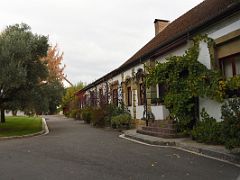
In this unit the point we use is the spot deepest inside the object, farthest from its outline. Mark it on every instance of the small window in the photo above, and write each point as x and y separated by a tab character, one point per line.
161	92
115	97
141	94
129	96
230	65
100	95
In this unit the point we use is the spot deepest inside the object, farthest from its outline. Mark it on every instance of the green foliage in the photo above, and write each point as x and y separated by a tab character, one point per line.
103	116
186	79
112	110
95	116
21	68
98	117
231	123
121	120
73	113
226	132
87	114
69	95
232	87
208	130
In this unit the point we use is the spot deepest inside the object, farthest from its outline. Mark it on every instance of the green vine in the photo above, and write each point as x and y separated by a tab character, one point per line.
187	79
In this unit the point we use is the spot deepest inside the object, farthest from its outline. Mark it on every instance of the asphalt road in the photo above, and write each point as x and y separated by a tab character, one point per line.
73	150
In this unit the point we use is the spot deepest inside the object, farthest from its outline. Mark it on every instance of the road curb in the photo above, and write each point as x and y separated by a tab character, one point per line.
44	131
228	158
159	143
219	155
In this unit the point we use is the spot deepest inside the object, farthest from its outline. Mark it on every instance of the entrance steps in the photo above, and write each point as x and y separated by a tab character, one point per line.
160	128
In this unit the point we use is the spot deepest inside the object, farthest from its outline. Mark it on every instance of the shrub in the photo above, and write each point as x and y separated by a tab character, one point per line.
78	114
119	121
111	111
208	130
73	113
87	115
231	123
98	117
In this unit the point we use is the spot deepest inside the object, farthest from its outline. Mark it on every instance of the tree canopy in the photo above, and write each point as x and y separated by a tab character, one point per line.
69	95
54	63
27	65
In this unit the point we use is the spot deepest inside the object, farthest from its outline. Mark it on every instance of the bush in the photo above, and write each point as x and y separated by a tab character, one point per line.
98	117
78	114
208	130
111	111
87	115
73	113
119	121
231	123
102	116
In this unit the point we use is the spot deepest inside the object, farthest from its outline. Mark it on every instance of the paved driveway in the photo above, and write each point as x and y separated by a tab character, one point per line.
73	150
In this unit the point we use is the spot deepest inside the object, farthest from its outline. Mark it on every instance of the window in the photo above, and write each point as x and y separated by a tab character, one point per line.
141	94
230	65
100	93
129	96
92	98
115	97
161	92
100	96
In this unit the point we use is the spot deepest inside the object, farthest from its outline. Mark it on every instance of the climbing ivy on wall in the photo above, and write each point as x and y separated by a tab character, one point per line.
186	79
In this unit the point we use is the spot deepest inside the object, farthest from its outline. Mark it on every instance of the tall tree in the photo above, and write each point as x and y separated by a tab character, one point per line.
21	68
54	63
53	88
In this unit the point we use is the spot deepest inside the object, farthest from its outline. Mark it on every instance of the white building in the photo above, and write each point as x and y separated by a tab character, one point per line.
219	19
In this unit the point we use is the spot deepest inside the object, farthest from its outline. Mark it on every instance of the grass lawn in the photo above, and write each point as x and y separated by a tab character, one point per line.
20	125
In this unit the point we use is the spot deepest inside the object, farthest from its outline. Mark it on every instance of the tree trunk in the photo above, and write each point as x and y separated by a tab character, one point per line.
14	112
2	116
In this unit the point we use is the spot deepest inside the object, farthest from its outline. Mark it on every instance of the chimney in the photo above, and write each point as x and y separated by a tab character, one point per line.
160	25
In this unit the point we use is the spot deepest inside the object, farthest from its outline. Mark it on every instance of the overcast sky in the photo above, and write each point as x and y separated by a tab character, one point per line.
96	36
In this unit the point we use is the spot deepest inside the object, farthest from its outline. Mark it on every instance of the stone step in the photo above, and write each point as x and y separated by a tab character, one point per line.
156	134
163	125
162	130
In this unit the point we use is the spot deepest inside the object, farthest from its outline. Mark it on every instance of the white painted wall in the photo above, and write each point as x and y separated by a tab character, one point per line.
213	108
130	108
139	112
176	52
9	113
160	112
204	56
117	78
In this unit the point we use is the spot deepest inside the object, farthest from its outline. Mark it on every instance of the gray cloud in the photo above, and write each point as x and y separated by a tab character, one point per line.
96	36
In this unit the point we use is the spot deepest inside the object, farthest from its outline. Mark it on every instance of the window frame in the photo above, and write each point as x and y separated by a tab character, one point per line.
141	95
129	96
232	59
115	97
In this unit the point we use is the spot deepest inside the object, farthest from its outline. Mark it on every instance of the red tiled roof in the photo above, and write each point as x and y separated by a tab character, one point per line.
197	16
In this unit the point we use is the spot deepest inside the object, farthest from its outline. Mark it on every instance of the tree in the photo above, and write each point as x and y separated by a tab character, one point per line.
69	95
53	87
54	63
21	68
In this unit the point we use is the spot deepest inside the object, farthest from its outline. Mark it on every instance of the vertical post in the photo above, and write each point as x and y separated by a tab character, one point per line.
2	116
